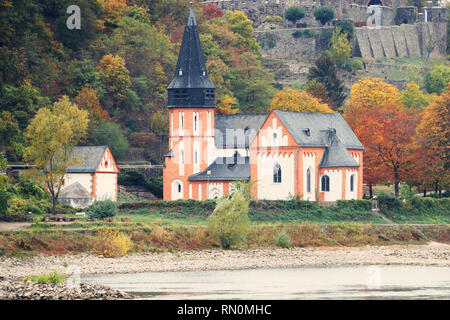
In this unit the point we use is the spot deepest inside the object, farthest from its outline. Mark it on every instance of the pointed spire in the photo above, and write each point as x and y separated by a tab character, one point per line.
191	86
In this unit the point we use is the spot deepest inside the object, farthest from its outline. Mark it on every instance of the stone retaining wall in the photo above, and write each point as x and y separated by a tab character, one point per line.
405	40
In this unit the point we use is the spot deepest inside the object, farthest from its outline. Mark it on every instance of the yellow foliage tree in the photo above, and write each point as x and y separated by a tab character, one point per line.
341	48
115	75
51	135
300	101
374	92
113	9
225	105
413	98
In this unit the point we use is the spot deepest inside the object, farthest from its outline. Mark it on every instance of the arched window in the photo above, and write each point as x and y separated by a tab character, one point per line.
308	180
325	181
352	183
276	173
195	123
179	187
182	156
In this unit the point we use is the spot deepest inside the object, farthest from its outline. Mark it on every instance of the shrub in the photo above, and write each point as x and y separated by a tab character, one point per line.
51	278
304	34
102	209
229	221
283	240
274	19
29	189
20	206
357	64
294	13
324	14
112	243
406	192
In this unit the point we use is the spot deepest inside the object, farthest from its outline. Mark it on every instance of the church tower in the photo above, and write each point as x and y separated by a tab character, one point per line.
191	103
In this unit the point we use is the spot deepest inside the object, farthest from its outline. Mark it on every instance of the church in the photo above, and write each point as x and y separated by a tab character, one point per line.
314	156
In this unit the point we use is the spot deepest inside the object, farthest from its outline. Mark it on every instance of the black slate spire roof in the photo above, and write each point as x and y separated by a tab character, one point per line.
191	86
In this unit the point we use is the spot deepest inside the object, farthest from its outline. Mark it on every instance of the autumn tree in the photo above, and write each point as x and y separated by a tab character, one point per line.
87	100
317	90
211	11
413	98
433	135
369	93
113	10
51	135
115	75
341	48
226	105
300	101
243	29
324	71
384	127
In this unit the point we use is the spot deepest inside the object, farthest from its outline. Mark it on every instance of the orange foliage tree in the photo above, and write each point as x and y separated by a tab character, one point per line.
87	99
432	143
384	127
300	101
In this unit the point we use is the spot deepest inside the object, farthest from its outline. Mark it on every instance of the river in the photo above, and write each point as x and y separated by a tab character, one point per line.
348	282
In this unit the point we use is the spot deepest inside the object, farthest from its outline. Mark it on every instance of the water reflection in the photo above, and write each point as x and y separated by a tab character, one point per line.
392	282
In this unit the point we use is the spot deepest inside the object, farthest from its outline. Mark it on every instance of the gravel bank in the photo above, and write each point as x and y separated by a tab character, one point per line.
433	254
17	290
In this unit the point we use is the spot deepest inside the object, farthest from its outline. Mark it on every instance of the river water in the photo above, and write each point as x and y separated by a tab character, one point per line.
355	282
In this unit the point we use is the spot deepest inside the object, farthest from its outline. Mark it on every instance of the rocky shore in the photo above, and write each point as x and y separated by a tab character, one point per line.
433	254
18	290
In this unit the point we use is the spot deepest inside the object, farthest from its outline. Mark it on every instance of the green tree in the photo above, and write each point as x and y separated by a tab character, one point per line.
294	13
251	84
341	48
436	79
324	14
413	98
346	26
324	71
229	222
108	133
52	134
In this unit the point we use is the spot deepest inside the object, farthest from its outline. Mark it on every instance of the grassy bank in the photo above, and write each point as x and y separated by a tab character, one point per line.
262	211
415	211
159	237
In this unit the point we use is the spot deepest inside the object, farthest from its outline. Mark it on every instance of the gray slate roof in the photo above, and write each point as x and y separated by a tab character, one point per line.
298	122
88	157
236	125
225	169
336	155
74	191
